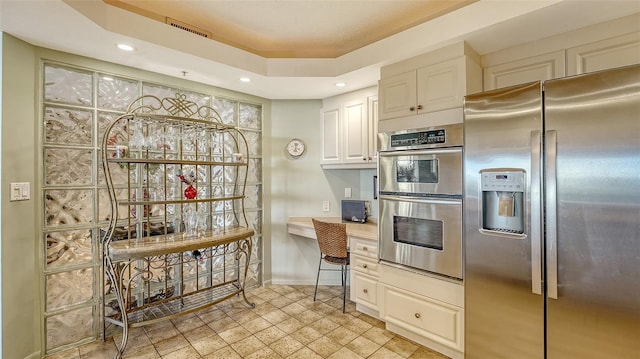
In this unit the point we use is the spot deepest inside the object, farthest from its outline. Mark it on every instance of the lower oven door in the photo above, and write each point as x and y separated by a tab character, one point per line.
422	233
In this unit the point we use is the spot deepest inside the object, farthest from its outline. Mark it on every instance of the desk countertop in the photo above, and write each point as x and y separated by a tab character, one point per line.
303	226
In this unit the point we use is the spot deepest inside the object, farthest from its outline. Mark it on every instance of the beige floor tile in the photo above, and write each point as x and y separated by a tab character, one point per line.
280	301
296	295
148	352
223	324
400	346
362	346
345	353
308	316
264	308
306	335
384	353
324	325
234	334
276	316
264	353
290	325
247	346
172	344
209	344
199	333
426	353
286	346
98	350
244	316
293	309
270	335
378	336
304	353
324	346
282	289
257	325
184	353
341	335
187	323
223	353
137	339
161	331
357	325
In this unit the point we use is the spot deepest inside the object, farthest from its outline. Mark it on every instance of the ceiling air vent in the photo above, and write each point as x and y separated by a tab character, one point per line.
186	27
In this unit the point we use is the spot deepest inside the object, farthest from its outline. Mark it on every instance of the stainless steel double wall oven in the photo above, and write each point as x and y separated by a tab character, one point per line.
420	198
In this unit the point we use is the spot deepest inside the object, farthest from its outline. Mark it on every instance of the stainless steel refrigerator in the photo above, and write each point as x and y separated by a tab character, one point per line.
552	219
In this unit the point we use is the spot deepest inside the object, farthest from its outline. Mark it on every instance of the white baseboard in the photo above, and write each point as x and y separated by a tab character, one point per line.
34	355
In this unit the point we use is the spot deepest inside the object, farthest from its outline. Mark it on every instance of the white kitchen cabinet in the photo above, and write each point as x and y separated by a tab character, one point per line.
364	275
349	130
422	307
428	89
606	54
543	67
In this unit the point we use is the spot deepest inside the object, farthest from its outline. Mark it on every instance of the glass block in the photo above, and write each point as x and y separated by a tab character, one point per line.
65	166
255	170
118	134
250	116
68	86
254	142
104	205
68	207
256	250
254	219
253	275
116	93
68	288
162	92
253	196
226	109
67	127
69	327
68	248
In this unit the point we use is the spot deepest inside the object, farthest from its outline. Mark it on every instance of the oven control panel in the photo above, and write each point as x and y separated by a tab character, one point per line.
418	138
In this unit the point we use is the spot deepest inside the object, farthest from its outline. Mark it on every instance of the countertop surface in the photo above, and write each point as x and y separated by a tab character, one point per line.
303	226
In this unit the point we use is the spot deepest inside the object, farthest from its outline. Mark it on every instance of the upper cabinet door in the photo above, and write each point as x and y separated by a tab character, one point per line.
607	54
331	136
355	132
397	95
538	68
441	86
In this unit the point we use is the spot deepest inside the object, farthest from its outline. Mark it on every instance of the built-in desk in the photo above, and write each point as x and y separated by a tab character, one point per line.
303	226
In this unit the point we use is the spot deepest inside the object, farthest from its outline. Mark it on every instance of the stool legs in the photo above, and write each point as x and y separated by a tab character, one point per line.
317	278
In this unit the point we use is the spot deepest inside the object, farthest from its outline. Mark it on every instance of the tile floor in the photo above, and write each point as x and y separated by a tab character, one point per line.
286	323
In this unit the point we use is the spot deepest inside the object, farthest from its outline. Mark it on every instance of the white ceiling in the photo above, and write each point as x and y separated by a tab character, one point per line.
92	28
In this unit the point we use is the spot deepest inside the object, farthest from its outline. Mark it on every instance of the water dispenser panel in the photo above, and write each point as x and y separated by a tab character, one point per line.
503	200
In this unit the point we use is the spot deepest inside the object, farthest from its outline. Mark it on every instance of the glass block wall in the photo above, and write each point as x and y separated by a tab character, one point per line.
77	105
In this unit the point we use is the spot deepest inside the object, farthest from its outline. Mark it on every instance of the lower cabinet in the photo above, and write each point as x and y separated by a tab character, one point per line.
423	308
364	275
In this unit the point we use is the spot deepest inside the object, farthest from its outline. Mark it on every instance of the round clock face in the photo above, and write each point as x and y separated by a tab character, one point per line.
295	147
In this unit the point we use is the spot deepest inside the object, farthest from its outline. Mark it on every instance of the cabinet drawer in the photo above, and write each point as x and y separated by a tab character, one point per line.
363	247
365	265
437	321
366	290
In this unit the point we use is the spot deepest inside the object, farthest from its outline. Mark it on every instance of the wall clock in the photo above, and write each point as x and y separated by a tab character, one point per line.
295	147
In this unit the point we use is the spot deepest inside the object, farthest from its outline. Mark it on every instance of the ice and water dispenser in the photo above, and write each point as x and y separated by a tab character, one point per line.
503	200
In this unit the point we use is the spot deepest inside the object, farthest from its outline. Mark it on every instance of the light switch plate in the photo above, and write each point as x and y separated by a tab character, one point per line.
20	191
347	192
325	206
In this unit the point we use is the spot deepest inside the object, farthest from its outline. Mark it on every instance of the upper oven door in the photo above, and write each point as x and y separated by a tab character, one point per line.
437	171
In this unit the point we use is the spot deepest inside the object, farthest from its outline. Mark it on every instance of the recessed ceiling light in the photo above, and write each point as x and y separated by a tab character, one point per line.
245	79
125	47
341	84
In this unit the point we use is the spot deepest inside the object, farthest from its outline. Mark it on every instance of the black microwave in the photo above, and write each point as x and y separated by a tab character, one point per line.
355	211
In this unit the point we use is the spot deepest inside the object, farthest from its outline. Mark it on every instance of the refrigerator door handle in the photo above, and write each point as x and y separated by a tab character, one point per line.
536	213
551	211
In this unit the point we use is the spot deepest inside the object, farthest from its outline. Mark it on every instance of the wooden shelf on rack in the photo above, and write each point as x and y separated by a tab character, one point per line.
161	161
174	242
179	305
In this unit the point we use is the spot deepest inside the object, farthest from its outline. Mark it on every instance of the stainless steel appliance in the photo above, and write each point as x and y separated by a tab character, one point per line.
420	199
552	219
354	210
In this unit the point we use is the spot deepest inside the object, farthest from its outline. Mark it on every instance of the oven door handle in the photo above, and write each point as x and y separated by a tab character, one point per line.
421	199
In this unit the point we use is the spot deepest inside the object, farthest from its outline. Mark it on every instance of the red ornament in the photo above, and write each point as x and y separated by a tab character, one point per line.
190	192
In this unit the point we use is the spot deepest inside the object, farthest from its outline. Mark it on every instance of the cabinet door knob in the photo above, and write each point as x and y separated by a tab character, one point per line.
364	266
419	107
365	291
412	108
364	158
365	249
417	315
